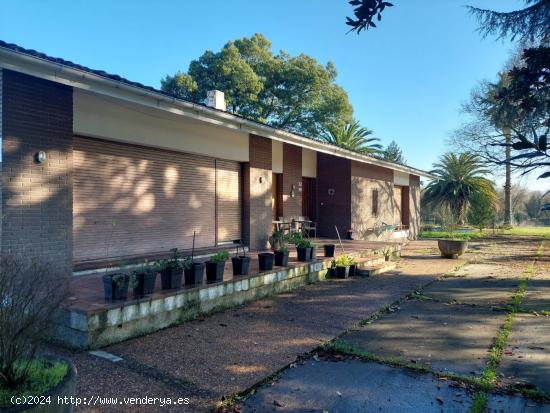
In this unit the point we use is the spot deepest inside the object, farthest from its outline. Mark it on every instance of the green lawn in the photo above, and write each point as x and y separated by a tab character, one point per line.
529	231
517	231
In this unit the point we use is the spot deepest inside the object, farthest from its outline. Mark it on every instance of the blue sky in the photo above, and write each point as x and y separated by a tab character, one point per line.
406	79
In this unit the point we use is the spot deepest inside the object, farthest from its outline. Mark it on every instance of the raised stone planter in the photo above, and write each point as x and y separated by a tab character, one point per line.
121	321
451	248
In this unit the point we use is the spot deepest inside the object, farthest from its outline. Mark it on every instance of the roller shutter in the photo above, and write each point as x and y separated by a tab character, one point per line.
130	200
228	200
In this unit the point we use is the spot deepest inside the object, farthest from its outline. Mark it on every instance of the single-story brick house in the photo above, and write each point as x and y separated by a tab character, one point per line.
96	167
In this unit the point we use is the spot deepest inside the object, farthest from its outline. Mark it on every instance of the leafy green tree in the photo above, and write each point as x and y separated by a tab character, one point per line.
529	23
181	84
393	153
296	93
353	137
533	205
460	177
481	211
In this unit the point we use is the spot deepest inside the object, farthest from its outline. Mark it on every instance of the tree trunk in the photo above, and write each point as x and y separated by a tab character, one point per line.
508	181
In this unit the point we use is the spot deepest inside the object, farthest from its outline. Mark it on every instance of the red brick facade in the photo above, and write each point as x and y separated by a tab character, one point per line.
37	198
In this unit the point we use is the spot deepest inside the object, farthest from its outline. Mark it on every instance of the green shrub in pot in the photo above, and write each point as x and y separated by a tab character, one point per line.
215	266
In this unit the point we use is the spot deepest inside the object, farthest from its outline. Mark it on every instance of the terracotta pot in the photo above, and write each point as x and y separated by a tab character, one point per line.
451	248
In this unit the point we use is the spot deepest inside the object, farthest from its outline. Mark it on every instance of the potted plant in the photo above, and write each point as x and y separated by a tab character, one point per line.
303	249
329	250
281	257
280	249
171	271
313	252
215	266
277	240
115	286
265	261
387	252
342	264
353	267
143	279
241	263
193	271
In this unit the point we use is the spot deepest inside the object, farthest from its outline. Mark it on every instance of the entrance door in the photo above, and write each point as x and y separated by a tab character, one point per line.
276	196
309	198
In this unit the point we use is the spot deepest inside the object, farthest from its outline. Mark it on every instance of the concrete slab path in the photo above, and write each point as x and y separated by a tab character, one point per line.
354	386
444	337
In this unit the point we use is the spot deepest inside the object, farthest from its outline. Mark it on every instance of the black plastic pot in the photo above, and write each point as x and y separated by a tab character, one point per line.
171	278
313	253
304	254
265	261
214	271
241	264
145	283
112	290
329	250
352	270
281	258
194	274
342	272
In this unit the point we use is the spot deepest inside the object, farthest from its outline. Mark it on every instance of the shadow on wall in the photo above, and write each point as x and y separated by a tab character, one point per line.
365	224
132	200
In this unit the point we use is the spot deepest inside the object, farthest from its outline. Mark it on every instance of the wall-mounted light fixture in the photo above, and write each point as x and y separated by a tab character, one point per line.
293	191
261	179
331	191
40	157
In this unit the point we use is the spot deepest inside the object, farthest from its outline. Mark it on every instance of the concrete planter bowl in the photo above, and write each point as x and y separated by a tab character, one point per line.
451	248
66	388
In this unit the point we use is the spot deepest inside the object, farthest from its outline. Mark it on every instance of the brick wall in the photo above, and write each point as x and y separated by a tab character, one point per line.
333	173
257	181
414	205
292	175
37	198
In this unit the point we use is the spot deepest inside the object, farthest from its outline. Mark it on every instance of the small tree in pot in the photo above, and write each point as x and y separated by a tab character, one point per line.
143	279
193	271
171	271
241	263
215	266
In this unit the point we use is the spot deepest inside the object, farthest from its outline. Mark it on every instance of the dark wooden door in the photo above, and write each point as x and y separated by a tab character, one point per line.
309	198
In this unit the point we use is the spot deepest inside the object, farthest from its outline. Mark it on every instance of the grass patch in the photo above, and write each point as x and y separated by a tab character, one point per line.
466	236
43	376
528	231
479	402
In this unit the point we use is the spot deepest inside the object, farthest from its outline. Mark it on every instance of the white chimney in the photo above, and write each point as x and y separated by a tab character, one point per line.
215	99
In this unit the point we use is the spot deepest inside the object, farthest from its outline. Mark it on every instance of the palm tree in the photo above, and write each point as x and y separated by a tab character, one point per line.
460	178
354	137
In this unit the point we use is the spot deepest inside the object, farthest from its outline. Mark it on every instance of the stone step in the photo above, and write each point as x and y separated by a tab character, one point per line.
376	269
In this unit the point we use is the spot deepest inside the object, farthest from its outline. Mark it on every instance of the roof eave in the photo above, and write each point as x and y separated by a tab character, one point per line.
199	112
